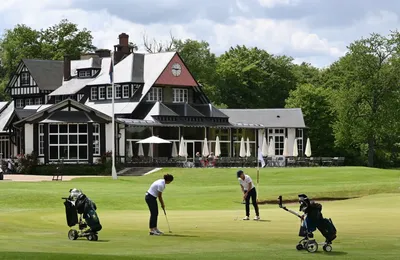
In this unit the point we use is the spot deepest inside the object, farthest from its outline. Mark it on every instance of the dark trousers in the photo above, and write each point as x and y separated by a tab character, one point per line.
253	195
153	207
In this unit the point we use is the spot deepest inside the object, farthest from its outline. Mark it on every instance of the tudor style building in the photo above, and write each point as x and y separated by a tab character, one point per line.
62	109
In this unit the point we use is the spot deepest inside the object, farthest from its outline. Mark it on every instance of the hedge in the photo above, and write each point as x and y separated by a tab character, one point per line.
75	169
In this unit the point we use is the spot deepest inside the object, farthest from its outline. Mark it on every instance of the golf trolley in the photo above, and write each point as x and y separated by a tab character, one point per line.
72	220
308	242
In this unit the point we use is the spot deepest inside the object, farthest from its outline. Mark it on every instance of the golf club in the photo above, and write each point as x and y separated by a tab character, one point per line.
165	214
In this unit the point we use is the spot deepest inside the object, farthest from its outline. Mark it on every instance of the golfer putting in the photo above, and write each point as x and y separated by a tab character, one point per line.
155	191
249	191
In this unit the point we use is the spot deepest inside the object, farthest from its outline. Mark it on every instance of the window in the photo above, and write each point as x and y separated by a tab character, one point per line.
180	95
93	93
25	79
38	101
29	102
299	139
41	140
109	92
118	93
57	99
19	103
102	93
96	139
125	91
279	137
155	94
68	142
85	74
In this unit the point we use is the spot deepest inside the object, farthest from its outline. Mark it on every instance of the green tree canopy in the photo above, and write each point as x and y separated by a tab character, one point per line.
253	78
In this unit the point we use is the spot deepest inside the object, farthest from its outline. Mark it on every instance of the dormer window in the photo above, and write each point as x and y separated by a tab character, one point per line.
25	79
180	95
154	95
84	73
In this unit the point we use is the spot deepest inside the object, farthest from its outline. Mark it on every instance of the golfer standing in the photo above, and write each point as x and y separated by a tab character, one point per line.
155	191
249	191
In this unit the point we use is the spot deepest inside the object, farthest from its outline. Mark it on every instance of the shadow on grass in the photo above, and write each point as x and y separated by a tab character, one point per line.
333	253
177	235
263	220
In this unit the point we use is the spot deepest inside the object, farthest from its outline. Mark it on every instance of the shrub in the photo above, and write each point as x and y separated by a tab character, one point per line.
26	163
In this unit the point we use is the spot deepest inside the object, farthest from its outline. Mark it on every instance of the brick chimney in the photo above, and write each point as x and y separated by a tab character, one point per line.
67	67
122	49
123	39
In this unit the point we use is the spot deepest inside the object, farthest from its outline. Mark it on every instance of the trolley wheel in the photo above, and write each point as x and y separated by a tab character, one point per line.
299	247
73	234
92	237
327	248
312	247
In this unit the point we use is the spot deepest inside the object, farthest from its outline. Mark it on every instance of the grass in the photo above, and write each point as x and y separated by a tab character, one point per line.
204	211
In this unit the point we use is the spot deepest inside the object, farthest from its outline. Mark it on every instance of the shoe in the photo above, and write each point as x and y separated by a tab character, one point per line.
155	233
246	218
256	218
160	232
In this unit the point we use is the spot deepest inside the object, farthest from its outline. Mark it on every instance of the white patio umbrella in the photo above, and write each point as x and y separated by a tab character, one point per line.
242	150
217	147
308	148
295	149
130	149
285	148
154	140
206	152
140	152
248	150
174	152
181	152
271	148
264	149
185	149
150	150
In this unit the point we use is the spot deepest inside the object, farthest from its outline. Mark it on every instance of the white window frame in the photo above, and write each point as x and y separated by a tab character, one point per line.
19	103
102	89
94	93
38	101
41	139
155	94
279	138
84	74
125	91
300	143
68	145
27	80
96	139
29	102
181	95
109	92
118	91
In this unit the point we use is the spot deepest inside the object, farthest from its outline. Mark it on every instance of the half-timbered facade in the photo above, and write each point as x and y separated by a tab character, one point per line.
155	94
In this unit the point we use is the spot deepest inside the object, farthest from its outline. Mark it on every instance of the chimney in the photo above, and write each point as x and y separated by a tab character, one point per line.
124	39
103	53
67	67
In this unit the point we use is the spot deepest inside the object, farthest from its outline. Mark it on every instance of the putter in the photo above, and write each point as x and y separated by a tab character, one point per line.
288	210
165	214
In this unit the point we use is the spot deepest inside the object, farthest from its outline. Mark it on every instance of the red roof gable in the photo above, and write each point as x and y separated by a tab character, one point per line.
167	77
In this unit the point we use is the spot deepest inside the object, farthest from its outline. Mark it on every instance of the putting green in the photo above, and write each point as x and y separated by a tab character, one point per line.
32	219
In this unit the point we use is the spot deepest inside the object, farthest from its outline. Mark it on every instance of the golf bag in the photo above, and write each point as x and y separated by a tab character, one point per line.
327	229
88	208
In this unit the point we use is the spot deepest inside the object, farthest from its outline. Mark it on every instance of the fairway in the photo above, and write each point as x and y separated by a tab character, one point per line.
205	211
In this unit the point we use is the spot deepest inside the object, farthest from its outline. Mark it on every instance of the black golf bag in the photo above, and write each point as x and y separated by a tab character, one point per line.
88	208
327	229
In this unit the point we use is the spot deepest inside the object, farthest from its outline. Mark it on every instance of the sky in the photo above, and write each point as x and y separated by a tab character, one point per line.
313	31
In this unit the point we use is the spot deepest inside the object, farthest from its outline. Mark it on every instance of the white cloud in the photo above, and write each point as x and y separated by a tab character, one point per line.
273	3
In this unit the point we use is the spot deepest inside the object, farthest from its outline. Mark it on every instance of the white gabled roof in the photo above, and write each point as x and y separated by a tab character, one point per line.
73	85
5	116
119	107
154	65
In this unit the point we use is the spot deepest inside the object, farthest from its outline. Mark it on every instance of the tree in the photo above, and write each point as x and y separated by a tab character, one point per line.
252	78
307	74
154	46
201	62
315	104
65	38
366	94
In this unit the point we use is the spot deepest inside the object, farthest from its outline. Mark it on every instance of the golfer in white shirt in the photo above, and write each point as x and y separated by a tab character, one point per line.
155	191
249	191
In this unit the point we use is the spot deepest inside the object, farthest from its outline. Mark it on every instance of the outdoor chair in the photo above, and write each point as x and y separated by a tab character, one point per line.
302	161
291	161
326	161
